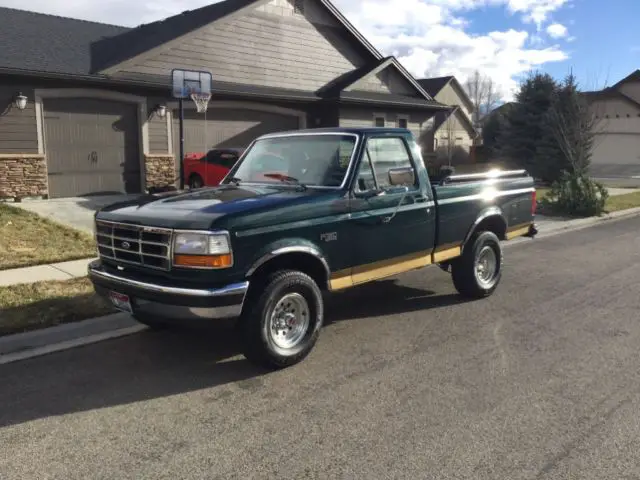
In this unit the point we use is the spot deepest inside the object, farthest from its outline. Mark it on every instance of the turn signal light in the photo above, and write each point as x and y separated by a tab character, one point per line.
203	261
534	203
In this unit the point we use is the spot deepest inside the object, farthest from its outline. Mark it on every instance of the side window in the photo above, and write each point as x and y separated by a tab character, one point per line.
228	159
383	154
223	158
379	121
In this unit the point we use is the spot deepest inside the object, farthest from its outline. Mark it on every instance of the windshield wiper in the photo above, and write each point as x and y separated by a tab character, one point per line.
285	179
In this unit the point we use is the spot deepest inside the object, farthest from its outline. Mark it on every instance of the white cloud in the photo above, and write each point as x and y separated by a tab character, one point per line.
429	37
440	44
557	30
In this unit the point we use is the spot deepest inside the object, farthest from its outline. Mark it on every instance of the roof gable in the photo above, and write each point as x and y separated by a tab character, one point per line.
433	85
632	77
437	84
153	38
354	81
460	116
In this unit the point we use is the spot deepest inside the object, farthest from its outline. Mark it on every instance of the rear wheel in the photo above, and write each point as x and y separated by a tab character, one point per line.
195	181
281	321
477	273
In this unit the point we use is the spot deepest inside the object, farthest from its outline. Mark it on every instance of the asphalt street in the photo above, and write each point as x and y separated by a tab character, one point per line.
539	381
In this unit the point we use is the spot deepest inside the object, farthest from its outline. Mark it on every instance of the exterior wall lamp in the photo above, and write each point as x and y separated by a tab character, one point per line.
20	101
161	111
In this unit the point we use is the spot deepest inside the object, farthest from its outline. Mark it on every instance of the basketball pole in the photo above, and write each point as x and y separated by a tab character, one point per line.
181	103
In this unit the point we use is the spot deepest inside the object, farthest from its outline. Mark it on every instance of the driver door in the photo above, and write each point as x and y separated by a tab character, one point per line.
392	227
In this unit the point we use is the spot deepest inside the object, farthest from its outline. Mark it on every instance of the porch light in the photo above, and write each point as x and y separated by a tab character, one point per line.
161	111
20	101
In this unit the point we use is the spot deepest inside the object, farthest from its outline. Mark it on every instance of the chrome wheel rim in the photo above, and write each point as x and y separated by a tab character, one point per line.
486	266
289	321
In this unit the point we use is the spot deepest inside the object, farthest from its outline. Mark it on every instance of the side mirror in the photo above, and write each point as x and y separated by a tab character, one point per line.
402	176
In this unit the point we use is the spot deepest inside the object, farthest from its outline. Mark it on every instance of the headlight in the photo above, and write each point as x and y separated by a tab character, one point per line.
202	250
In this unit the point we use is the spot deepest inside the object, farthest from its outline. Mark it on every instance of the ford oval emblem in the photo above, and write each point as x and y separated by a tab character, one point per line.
126	245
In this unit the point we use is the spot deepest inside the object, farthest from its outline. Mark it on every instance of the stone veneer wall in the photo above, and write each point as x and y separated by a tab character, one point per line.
23	175
160	171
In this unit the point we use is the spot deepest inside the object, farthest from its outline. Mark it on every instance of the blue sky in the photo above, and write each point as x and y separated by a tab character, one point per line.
607	41
503	39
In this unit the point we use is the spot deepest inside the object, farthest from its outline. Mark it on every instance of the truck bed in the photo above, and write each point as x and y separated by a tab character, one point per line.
462	201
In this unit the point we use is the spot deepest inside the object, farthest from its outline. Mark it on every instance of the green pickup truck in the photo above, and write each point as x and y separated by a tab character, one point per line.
302	213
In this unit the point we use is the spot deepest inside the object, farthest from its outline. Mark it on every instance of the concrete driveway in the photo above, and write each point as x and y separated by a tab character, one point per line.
76	212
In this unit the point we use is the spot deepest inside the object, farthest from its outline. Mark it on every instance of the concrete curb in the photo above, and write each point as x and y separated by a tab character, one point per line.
23	346
63	337
578	223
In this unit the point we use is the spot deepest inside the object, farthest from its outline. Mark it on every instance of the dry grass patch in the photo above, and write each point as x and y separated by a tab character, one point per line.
39	305
622	202
27	239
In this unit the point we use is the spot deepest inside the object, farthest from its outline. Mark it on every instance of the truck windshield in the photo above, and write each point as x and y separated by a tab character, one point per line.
312	160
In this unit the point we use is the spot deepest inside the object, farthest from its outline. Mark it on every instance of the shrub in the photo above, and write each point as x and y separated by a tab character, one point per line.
575	194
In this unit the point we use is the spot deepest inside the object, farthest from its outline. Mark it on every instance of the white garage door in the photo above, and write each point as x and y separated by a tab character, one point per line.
616	155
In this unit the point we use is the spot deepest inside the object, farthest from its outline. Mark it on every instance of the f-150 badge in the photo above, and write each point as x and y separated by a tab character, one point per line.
329	237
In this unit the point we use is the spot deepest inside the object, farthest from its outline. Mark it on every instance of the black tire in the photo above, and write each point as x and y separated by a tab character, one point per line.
463	269
195	181
259	345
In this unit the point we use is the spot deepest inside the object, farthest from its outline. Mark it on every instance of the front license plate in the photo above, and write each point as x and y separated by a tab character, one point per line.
121	301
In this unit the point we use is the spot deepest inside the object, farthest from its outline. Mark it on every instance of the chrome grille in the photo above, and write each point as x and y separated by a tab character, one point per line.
133	244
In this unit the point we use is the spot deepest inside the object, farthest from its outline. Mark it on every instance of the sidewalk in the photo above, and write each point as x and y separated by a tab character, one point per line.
39	273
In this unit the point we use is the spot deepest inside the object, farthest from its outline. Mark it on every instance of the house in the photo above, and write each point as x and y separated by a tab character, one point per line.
453	133
87	107
616	147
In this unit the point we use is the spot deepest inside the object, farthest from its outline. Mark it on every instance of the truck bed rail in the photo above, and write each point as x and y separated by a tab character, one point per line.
479	177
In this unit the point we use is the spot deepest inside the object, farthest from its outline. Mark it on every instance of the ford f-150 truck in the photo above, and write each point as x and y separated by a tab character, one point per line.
301	213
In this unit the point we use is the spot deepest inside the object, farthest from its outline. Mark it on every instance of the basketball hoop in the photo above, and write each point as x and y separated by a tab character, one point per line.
201	100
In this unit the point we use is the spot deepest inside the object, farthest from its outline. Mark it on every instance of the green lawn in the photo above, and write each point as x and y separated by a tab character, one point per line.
28	239
614	203
46	304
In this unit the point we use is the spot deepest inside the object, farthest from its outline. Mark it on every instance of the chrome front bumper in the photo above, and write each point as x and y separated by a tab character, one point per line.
168	302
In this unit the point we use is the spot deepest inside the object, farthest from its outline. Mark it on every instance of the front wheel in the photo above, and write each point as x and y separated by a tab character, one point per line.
477	273
195	181
281	325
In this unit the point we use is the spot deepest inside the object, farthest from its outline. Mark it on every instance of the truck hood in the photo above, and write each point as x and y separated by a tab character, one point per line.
202	208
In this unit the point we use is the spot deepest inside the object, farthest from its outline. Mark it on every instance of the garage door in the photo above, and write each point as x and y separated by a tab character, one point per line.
226	128
615	155
91	147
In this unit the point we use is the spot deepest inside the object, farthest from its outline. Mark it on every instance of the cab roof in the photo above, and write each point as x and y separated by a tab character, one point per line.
339	130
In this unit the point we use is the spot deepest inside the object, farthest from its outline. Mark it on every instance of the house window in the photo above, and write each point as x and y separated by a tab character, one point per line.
378	121
403	122
298	7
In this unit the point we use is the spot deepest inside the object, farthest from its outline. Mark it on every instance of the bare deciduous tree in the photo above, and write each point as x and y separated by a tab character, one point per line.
575	122
483	94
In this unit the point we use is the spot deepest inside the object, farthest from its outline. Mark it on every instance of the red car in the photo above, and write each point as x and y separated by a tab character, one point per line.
208	170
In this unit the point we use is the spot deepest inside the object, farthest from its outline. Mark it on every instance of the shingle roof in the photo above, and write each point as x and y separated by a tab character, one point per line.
434	85
48	43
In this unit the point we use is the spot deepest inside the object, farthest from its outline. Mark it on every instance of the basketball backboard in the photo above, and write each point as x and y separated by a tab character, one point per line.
186	82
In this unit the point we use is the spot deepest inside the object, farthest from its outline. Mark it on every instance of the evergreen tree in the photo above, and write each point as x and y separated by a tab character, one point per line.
526	138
